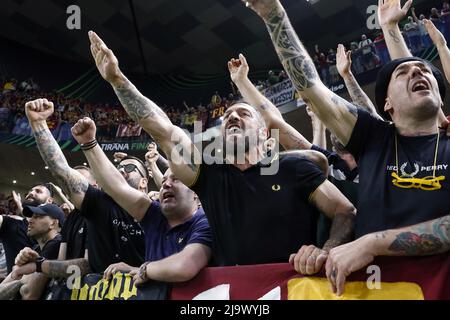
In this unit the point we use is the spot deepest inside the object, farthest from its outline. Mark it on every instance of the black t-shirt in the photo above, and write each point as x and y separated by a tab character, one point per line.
50	250
13	234
259	218
381	205
339	169
74	234
113	235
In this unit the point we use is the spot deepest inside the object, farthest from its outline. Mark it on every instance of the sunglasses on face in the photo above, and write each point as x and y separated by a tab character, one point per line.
129	167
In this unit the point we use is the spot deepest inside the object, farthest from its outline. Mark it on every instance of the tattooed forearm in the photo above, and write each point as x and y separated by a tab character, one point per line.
137	106
336	100
394	36
9	290
341	230
357	94
290	140
59	269
427	238
54	158
292	54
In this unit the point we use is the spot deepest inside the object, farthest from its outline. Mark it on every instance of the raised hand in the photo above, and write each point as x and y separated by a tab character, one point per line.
436	36
238	68
119	156
343	60
39	110
262	7
84	130
152	154
17	198
105	60
390	12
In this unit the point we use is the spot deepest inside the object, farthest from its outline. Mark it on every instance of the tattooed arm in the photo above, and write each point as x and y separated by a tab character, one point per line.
9	289
337	114
359	97
74	184
289	137
64	269
183	156
426	238
329	200
389	15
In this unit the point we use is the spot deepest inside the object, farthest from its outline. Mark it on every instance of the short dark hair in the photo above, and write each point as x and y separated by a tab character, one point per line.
138	160
47	185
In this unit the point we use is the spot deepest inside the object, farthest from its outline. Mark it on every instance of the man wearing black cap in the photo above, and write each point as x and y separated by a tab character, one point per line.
44	226
13	228
403	164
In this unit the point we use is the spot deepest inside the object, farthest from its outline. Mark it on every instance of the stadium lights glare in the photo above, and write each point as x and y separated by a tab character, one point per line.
14	181
84	164
32	173
46	167
312	1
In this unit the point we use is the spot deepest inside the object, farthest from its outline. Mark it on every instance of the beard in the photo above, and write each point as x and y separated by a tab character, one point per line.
32	202
134	183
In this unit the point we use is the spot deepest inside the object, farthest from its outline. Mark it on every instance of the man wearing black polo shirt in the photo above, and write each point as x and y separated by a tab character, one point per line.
403	164
177	234
113	235
254	218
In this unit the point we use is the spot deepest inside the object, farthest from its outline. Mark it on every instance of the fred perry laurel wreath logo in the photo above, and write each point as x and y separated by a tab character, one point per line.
276	187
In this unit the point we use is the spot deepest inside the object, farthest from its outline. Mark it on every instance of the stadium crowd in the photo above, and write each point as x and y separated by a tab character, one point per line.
217	209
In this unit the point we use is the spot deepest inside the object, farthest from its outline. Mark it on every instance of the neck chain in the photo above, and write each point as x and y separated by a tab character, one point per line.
407	181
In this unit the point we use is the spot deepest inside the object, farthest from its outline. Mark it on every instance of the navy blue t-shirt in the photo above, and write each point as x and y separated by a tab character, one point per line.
162	241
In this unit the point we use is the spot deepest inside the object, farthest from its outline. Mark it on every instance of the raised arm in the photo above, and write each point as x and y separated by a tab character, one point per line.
319	130
130	199
359	97
389	15
426	238
337	114
152	157
290	138
329	200
74	184
183	156
441	44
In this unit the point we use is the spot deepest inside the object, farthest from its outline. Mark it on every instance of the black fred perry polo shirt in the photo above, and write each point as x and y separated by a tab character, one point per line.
259	218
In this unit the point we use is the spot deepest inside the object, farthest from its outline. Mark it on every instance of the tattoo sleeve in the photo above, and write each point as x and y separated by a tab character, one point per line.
9	290
292	54
60	269
341	230
357	94
69	179
427	238
137	106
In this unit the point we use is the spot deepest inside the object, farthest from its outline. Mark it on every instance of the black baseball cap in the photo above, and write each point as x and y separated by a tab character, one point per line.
51	210
384	78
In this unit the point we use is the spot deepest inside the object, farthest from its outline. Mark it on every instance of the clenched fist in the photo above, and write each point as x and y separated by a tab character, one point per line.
152	154
262	7
38	110
84	130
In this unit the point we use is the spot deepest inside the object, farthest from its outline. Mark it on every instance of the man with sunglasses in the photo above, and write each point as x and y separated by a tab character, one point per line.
113	235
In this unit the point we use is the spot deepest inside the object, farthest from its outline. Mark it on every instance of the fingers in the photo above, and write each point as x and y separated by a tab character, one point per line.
291	258
321	258
243	60
407	5
109	272
340	282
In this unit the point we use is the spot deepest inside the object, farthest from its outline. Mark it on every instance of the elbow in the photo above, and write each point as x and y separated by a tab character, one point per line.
184	271
28	293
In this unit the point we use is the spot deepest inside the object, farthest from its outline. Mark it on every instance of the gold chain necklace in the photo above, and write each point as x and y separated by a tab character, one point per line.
428	183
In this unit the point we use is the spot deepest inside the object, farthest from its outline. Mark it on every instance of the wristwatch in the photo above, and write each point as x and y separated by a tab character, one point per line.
39	261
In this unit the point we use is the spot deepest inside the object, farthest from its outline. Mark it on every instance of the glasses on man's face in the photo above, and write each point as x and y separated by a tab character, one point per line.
429	183
129	167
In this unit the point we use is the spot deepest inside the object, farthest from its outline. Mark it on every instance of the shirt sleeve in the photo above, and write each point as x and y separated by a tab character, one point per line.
201	232
310	177
366	128
51	249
